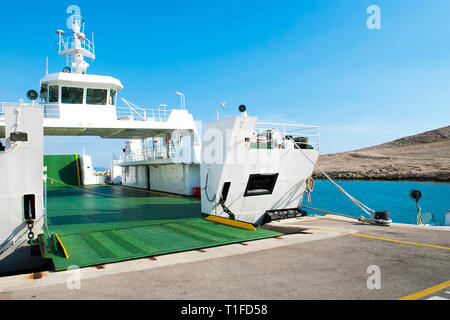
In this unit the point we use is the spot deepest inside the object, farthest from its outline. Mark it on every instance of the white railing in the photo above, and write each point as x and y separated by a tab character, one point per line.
51	111
131	111
157	152
66	46
134	112
4	104
88	45
308	136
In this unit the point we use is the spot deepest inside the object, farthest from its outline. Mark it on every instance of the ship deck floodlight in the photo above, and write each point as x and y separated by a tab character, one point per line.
183	100
222	105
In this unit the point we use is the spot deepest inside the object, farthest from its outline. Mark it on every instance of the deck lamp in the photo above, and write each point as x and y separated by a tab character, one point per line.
222	105
183	101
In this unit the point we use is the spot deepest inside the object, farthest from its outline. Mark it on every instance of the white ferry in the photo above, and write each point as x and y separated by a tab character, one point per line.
242	169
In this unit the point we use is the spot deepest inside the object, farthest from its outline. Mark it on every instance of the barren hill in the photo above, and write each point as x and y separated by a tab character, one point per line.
424	156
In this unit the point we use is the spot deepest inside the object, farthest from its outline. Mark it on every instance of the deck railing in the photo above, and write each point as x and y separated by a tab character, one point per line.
151	153
66	44
128	112
312	133
50	110
134	112
3	105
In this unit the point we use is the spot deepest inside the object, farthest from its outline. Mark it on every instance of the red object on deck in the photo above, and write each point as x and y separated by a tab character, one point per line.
196	192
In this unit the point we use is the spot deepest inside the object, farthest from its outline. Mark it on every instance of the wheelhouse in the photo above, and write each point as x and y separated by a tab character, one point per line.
75	96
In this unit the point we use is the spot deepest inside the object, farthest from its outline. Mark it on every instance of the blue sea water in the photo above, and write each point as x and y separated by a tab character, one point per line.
392	196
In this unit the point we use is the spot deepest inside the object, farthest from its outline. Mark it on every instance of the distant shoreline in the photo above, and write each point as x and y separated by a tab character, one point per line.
421	157
366	178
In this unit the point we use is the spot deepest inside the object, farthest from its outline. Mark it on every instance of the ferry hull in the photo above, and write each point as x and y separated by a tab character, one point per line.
249	181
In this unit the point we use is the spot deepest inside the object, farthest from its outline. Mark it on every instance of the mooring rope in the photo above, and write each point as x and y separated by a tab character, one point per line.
330	212
309	188
365	208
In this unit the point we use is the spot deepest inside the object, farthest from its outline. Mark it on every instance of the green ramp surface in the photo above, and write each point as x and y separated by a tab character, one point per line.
103	224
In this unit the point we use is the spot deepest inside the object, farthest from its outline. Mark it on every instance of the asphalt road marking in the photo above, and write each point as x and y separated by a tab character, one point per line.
437	298
427	292
384	239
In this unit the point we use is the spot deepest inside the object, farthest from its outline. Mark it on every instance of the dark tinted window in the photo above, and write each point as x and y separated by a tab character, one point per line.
260	184
53	94
96	96
72	95
112	97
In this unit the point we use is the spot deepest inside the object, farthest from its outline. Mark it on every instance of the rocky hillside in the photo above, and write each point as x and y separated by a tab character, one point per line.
424	156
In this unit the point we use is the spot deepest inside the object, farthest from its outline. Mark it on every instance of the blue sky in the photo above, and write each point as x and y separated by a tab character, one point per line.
312	62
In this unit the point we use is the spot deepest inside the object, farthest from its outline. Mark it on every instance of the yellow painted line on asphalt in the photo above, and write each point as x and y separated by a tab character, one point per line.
384	239
157	192
427	292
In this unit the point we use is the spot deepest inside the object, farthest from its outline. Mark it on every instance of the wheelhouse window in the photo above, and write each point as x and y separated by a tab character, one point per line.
96	96
53	94
72	95
112	97
44	93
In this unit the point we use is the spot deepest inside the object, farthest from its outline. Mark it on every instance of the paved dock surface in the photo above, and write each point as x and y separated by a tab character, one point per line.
334	258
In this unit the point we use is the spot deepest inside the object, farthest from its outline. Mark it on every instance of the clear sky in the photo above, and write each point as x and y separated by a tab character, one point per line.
313	62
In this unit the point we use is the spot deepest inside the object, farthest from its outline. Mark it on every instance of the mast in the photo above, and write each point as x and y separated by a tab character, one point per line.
76	47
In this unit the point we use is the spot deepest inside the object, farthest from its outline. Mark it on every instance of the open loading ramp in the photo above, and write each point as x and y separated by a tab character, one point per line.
63	170
103	224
